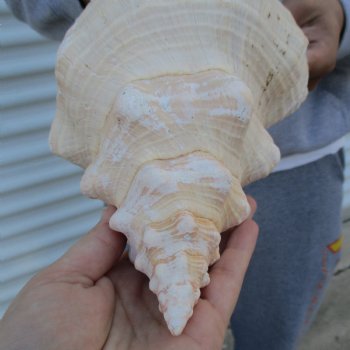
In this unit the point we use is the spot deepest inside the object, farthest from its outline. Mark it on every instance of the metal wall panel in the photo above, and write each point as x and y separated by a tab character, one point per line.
41	209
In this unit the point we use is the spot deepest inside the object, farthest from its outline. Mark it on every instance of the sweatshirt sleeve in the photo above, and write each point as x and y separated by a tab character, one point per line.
51	18
344	49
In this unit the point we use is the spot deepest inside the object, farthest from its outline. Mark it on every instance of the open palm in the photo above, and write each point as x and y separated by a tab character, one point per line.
93	299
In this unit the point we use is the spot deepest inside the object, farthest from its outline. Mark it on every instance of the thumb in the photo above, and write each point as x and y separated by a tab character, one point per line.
96	253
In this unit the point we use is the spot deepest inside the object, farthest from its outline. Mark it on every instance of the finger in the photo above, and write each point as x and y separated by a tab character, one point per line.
323	33
228	273
322	57
302	13
226	235
96	253
253	206
313	83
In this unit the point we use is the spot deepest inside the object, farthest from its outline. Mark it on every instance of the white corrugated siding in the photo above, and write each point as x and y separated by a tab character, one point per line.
41	210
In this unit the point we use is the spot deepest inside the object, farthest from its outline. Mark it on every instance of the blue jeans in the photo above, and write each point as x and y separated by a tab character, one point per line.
299	215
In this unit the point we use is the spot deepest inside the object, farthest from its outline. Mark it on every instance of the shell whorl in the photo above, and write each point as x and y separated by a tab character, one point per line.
167	117
114	43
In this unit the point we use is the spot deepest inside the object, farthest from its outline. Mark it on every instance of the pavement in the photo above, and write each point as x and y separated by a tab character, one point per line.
331	328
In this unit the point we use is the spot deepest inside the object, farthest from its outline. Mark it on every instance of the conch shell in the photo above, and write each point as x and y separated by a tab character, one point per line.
165	103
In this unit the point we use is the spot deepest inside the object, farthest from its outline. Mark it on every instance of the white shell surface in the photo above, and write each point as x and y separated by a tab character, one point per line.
255	40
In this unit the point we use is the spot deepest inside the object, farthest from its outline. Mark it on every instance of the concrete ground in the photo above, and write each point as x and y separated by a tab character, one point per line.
331	329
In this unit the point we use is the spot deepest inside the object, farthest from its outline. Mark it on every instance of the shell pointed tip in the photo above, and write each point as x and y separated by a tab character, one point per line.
177	331
176	326
176	319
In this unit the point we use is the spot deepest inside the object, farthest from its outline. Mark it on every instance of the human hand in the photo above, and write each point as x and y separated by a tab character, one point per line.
322	22
93	299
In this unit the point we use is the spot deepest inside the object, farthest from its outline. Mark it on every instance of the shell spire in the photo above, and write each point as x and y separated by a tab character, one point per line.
170	244
165	103
177	265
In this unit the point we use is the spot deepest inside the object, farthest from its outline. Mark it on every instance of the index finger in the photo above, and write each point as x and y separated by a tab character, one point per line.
228	273
322	55
96	253
226	235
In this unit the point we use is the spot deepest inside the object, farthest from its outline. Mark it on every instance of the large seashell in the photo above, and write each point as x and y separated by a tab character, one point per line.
165	103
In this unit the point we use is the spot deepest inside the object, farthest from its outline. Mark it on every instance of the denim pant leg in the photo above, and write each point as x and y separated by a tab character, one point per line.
299	218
